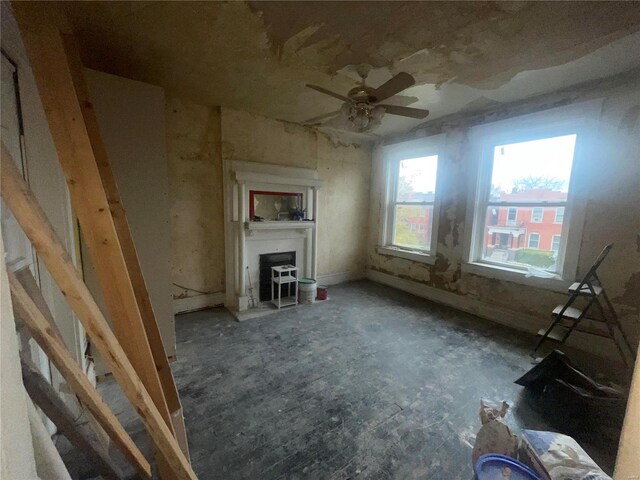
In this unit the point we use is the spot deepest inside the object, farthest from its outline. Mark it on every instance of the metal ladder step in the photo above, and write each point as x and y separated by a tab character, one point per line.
571	312
556	334
585	289
559	330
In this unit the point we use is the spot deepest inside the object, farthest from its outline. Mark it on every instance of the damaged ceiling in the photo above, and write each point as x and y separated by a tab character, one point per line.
258	56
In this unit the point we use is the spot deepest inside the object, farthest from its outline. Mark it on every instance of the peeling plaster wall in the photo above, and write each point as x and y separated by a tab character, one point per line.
612	214
199	138
345	169
196	198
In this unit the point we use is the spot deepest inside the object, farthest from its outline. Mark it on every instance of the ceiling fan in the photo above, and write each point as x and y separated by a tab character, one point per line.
362	105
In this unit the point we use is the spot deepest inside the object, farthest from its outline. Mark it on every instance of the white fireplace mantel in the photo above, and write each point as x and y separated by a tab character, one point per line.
246	240
282	225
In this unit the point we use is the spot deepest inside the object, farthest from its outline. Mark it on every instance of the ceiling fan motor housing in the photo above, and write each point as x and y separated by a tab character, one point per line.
362	94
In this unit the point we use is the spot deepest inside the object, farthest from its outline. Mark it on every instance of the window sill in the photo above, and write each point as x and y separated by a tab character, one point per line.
556	284
407	254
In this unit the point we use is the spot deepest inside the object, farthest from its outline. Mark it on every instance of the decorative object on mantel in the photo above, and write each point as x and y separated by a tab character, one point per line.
299	214
280	276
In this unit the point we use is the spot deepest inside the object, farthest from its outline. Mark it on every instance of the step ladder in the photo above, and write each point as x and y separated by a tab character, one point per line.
568	318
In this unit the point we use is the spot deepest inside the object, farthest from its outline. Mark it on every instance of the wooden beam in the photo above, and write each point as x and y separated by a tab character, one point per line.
25	277
43	395
55	349
37	228
126	240
28	282
41	26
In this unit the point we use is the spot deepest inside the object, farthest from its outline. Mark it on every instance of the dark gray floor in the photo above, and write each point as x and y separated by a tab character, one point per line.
373	383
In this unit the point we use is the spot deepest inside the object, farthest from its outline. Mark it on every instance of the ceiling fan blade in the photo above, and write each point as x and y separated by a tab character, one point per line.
329	92
395	85
321	117
405	111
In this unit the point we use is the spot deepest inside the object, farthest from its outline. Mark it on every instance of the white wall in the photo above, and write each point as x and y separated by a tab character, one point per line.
132	124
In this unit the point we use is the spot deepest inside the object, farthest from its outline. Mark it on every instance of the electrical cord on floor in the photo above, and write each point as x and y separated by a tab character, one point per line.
192	289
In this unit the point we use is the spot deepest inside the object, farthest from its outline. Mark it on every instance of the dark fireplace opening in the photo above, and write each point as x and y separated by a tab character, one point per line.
267	261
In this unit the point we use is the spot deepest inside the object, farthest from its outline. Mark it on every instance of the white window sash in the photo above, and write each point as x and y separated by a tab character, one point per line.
538	219
579	119
393	224
392	155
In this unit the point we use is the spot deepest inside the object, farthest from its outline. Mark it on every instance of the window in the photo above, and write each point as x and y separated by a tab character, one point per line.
414	192
536	214
520	176
538	160
409	224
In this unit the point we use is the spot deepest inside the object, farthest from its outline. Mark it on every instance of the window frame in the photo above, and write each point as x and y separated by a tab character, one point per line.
392	155
537	247
579	119
533	209
515	216
553	237
555	218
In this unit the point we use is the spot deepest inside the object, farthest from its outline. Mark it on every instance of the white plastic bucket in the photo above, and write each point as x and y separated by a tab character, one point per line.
307	290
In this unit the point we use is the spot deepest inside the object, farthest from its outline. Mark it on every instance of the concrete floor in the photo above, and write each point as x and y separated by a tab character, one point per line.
373	383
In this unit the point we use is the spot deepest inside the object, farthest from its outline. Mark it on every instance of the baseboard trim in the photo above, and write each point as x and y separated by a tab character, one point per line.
503	316
336	278
197	302
512	319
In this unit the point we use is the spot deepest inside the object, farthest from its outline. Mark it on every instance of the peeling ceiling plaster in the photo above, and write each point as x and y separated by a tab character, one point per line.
258	56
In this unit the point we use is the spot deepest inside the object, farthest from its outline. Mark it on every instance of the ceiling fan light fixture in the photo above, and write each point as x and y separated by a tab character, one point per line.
361	120
360	116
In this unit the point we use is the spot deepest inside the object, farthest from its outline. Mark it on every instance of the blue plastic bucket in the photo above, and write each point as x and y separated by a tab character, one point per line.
492	467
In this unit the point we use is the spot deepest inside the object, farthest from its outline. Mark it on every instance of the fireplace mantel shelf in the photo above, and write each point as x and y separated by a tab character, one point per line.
279	225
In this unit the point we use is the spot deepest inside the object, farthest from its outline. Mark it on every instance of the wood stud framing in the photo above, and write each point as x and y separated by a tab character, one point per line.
126	242
45	397
50	250
54	347
58	72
